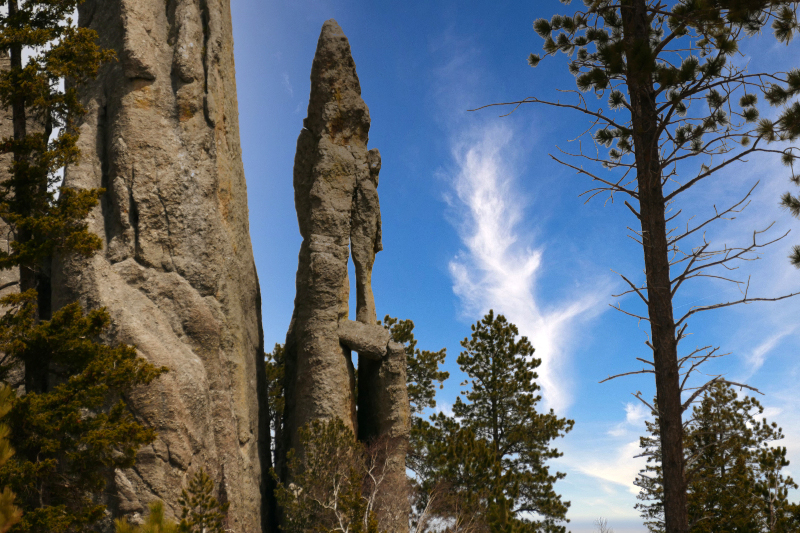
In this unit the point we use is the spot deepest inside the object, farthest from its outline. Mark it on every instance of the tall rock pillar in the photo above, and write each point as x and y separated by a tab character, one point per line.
335	183
176	273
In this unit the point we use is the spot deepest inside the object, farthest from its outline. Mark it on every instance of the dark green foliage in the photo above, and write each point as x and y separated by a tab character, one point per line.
733	469
72	426
683	112
44	218
707	32
423	375
422	366
330	489
67	439
493	451
202	512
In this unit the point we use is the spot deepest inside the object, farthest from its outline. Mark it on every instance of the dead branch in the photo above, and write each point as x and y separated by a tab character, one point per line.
643	371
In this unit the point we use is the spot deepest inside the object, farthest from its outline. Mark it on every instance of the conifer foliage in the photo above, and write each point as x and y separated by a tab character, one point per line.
72	425
734	469
156	522
493	451
202	512
333	486
422	366
43	217
67	439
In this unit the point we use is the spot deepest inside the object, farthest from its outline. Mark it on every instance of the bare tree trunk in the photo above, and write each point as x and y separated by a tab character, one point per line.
636	28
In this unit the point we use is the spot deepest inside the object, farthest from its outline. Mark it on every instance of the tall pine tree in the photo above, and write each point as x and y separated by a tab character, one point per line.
678	112
494	449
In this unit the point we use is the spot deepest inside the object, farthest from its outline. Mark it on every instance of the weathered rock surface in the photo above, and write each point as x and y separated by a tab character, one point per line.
384	416
369	341
331	159
335	181
176	273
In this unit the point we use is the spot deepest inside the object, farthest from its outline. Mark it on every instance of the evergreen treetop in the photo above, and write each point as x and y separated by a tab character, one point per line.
494	450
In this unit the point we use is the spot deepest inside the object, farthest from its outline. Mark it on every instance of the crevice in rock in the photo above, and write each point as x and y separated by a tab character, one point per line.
169	5
168	225
205	16
107	200
146	483
133	216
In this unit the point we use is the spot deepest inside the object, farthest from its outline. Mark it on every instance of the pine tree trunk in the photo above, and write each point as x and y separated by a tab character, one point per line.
36	372
636	28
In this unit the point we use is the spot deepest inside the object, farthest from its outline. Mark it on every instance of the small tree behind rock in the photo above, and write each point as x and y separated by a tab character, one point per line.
202	512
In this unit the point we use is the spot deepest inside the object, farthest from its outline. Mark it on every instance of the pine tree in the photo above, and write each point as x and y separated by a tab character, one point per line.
734	473
43	218
202	512
496	446
423	378
67	439
72	425
274	364
677	113
422	366
331	489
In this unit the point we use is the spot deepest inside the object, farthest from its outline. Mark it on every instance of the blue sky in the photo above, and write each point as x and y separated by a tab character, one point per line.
477	216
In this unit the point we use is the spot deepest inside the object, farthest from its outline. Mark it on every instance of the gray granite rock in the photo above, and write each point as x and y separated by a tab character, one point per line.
176	272
368	341
335	183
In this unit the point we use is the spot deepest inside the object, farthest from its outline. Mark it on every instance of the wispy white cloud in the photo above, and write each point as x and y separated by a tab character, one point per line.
758	355
619	468
499	267
635	414
287	85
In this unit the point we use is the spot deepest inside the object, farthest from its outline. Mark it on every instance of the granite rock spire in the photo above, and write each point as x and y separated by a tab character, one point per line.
176	273
338	211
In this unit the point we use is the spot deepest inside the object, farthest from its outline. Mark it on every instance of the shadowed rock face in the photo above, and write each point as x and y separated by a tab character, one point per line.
176	272
335	182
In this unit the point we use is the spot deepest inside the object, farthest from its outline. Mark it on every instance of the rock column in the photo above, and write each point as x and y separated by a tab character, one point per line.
176	272
335	181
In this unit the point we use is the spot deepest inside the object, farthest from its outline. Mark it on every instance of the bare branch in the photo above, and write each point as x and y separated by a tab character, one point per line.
643	371
638	395
611	186
533	100
719	215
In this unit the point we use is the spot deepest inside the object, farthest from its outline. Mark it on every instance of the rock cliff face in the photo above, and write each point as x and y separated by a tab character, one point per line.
176	272
335	182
